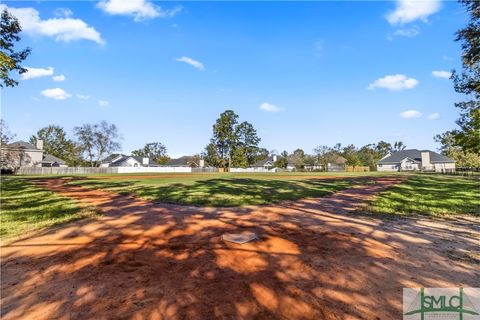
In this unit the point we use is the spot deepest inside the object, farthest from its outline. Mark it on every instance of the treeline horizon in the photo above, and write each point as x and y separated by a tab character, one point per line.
233	144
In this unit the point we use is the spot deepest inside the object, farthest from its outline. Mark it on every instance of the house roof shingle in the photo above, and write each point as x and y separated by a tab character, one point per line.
184	161
111	157
263	162
415	155
48	158
22	145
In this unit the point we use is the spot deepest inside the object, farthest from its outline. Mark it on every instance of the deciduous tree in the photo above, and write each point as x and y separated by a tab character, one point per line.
298	158
467	82
56	143
98	140
5	135
210	155
10	60
350	153
452	150
154	150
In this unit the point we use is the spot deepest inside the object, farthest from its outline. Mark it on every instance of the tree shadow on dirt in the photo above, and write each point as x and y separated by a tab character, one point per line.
313	260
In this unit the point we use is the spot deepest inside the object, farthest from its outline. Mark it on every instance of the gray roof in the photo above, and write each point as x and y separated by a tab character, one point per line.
48	158
111	157
184	161
121	159
22	145
263	162
415	155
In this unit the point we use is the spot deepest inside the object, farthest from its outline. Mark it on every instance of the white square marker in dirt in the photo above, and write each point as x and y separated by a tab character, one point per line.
240	238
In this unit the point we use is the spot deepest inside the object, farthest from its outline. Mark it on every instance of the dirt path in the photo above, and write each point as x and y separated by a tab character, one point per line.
313	261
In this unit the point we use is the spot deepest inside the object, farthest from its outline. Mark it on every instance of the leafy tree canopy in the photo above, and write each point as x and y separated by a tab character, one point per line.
232	144
10	60
56	143
467	82
154	150
96	141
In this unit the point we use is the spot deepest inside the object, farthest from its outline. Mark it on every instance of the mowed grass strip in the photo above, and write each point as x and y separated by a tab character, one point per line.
221	190
430	194
26	208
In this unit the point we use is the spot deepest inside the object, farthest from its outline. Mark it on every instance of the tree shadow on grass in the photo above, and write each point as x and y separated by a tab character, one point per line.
436	195
226	192
26	208
151	261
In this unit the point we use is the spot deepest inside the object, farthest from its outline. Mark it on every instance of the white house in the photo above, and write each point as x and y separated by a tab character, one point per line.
23	154
267	163
121	160
416	160
186	162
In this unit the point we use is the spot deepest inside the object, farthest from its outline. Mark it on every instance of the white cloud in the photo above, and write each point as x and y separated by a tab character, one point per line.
411	10
404	32
193	63
394	82
434	116
410	114
103	103
268	107
442	74
63	13
56	94
82	96
59	78
139	9
33	73
61	29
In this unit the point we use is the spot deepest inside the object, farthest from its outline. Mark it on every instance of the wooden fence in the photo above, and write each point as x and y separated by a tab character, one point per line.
357	169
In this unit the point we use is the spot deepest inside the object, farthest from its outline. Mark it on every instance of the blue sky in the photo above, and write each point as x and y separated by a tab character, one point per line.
305	74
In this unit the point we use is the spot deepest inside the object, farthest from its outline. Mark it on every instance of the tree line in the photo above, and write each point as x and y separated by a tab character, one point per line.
89	145
236	144
366	156
233	144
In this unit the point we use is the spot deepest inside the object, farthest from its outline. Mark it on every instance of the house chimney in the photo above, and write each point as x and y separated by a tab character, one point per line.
426	159
202	163
40	144
275	157
146	161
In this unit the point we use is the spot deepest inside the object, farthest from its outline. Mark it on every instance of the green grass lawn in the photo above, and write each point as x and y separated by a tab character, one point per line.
222	190
26	208
430	194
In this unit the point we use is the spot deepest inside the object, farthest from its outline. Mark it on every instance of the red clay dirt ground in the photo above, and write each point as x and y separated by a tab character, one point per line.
314	260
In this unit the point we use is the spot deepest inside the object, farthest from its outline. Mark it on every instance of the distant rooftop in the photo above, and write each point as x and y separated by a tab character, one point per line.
415	155
22	145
